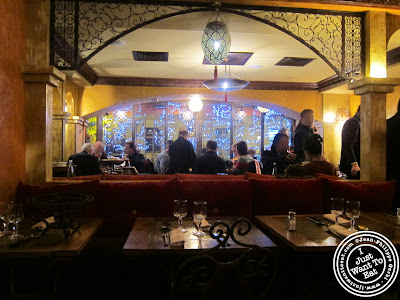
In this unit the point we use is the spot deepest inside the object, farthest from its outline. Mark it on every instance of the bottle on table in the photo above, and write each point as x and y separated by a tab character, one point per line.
70	171
275	169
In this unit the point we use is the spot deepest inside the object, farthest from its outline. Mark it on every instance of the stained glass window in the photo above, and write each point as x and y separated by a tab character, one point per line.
91	130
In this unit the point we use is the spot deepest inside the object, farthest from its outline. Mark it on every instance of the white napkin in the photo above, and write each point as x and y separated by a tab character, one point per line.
203	224
176	238
341	230
331	217
42	225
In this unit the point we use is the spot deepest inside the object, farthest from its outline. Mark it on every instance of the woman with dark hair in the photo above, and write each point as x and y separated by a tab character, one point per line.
313	153
245	162
278	154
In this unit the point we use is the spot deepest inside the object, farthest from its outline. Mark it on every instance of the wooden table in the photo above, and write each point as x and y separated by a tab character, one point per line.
146	238
53	243
310	236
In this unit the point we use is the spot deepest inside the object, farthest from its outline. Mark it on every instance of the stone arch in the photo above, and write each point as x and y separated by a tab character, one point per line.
69	103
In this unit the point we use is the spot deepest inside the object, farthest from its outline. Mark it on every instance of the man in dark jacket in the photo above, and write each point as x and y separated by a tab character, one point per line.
210	162
135	158
85	161
393	146
303	131
181	154
350	155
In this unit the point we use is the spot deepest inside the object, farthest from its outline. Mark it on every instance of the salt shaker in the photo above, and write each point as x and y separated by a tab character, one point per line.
292	221
398	216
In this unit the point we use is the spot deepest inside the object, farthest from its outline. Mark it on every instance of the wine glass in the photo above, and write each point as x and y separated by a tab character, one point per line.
353	212
15	215
199	213
4	216
180	211
337	208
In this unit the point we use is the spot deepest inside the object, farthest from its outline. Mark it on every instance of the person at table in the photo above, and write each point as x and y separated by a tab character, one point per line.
235	154
317	163
245	162
252	152
393	146
303	131
135	158
278	155
284	130
350	154
85	161
181	154
99	151
162	160
209	162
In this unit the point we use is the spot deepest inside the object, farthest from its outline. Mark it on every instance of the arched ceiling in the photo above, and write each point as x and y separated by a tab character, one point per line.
181	36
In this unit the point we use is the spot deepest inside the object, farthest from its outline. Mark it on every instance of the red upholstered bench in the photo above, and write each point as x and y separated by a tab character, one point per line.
224	197
278	196
138	177
373	196
209	177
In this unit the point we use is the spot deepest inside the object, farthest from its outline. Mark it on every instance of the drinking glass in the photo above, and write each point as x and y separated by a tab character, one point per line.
337	208
180	211
15	215
4	216
199	213
353	212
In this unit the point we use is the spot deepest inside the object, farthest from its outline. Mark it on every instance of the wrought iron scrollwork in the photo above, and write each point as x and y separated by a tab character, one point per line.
80	29
221	232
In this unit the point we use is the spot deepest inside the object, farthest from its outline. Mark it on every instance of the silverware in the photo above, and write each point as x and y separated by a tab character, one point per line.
316	221
165	234
326	229
27	239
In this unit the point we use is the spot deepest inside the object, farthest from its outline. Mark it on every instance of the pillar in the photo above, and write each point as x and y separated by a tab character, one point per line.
40	81
373	124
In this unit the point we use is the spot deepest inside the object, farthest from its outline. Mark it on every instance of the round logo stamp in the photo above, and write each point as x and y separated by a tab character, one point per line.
366	263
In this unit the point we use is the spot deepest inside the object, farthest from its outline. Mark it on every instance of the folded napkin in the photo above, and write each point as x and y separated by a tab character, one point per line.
203	224
341	230
176	238
331	217
42	225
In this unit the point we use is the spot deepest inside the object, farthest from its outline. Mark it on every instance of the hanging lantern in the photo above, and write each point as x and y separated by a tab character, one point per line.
216	40
241	114
195	104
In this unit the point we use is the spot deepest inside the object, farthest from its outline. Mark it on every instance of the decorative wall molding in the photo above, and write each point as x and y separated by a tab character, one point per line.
80	29
323	85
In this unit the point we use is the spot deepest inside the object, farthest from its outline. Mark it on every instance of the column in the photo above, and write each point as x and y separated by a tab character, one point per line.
40	81
373	124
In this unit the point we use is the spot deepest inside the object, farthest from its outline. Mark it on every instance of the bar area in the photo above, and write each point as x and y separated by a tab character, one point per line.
199	149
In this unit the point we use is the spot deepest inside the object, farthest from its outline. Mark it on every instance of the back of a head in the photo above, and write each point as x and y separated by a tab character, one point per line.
277	138
212	145
305	112
88	147
242	148
252	152
183	133
131	145
314	144
169	143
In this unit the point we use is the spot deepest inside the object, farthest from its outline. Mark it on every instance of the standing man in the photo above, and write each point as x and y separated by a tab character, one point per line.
393	146
162	160
303	131
210	162
181	154
350	155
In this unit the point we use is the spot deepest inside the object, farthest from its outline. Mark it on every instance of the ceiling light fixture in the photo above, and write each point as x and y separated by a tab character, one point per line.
241	114
262	110
228	83
216	40
195	104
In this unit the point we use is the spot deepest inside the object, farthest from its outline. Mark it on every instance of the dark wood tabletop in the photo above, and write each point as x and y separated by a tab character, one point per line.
311	237
146	237
53	243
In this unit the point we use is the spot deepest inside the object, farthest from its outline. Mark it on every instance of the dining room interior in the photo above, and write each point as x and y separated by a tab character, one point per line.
95	94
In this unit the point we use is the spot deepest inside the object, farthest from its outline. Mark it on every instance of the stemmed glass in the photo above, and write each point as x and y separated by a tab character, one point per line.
199	213
180	211
4	217
15	215
353	212
337	208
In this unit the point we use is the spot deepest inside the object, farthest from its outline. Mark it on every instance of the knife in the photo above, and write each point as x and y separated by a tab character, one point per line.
316	221
27	239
